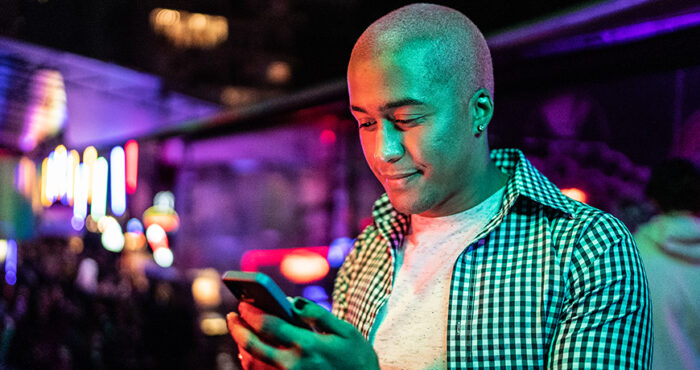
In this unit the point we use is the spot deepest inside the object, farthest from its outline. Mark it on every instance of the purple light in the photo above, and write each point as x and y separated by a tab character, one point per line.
618	35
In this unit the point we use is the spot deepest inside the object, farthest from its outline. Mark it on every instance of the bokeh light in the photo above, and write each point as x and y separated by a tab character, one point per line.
575	194
100	173
163	256
117	180
206	288
303	267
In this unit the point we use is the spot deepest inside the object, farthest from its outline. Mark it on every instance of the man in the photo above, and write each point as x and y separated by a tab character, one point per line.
670	248
473	259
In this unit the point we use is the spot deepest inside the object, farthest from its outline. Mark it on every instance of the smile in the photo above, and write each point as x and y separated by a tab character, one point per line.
399	179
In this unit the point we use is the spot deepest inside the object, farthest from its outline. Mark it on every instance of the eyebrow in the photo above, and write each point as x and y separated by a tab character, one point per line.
391	105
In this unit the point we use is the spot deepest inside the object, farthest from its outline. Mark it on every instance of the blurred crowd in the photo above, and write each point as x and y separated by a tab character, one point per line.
75	307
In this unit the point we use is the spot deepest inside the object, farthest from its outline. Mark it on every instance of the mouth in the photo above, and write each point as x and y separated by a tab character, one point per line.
400	179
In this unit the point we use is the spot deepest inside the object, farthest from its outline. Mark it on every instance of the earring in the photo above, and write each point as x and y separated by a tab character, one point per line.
479	130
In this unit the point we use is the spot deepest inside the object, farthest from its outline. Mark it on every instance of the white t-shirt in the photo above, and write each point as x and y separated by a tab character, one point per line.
410	331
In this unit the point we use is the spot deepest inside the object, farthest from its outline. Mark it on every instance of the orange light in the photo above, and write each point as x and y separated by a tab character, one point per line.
132	165
575	194
169	222
252	260
303	267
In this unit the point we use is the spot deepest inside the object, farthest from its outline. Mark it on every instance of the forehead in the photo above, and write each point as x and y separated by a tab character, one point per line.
406	72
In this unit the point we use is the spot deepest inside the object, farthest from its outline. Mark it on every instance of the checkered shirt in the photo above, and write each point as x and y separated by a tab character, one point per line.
549	283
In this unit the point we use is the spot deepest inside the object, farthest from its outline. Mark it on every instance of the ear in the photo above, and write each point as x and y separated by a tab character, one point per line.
481	108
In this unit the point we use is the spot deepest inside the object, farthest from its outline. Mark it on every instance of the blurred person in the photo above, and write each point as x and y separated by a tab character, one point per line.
670	248
474	258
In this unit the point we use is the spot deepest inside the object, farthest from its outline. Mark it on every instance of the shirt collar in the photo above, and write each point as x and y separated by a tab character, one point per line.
525	180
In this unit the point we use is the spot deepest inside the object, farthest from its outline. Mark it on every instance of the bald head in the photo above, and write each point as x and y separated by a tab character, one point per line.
456	47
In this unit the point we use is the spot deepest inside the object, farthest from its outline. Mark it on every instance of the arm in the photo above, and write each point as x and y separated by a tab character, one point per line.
606	320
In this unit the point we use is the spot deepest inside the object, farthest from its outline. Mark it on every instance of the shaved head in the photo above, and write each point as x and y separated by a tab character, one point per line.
456	49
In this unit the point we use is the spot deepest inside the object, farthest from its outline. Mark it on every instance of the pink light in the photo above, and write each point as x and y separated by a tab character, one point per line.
254	259
328	137
132	165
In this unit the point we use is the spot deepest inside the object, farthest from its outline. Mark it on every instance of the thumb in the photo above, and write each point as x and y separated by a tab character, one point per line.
320	319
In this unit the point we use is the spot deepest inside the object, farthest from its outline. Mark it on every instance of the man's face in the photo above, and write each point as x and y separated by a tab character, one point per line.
416	131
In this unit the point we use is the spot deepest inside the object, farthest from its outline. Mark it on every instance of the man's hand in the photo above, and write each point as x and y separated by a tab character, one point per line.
335	345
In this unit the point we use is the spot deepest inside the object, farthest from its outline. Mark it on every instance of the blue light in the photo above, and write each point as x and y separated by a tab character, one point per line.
134	226
11	263
337	251
315	293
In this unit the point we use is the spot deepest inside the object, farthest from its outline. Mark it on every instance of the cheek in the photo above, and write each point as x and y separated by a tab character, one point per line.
367	143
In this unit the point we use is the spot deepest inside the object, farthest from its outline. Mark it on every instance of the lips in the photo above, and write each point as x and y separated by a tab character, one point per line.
399	179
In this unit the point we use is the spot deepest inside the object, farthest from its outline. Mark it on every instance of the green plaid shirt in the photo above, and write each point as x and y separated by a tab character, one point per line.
549	283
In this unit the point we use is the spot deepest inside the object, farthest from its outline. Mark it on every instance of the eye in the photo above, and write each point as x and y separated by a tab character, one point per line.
364	124
408	120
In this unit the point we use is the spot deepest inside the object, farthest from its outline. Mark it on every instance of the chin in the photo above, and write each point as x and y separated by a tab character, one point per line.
406	204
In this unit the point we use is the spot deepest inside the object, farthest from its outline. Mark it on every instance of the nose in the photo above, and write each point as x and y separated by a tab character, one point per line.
389	143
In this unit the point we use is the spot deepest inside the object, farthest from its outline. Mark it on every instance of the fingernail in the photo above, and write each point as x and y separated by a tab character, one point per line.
300	303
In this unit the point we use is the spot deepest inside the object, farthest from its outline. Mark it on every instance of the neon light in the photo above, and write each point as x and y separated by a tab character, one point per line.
80	201
303	267
11	262
117	180
163	256
99	188
89	158
132	165
576	194
252	260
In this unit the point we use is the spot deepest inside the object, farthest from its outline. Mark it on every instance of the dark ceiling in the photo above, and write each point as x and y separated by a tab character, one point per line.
314	37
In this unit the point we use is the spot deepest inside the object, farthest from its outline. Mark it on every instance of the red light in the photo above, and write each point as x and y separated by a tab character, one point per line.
576	194
254	259
132	165
327	137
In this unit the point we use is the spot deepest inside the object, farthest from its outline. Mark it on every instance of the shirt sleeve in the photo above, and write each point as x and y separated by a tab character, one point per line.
606	318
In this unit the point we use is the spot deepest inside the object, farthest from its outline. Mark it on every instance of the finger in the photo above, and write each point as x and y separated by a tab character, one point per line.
250	344
319	318
249	362
272	326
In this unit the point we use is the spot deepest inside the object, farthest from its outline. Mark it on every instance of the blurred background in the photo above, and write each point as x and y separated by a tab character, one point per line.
148	146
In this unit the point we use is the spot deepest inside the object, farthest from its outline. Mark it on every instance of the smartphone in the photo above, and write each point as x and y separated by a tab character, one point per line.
261	291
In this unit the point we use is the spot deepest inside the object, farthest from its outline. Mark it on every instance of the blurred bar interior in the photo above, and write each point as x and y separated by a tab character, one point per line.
146	147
